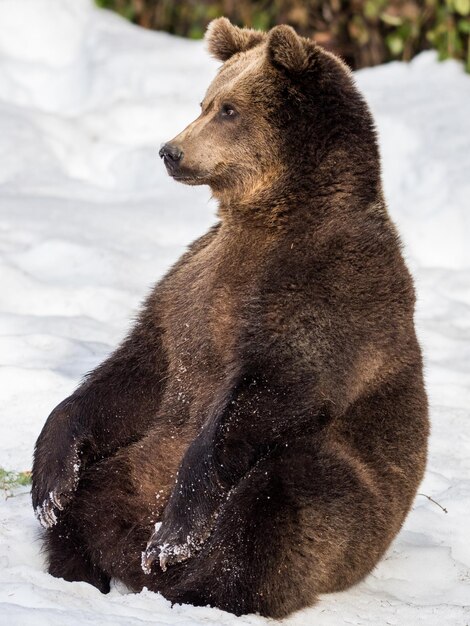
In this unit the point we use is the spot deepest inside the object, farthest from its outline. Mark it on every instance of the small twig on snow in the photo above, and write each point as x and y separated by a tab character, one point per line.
437	503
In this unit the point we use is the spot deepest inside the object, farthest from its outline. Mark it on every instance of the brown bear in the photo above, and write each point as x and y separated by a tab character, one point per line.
268	407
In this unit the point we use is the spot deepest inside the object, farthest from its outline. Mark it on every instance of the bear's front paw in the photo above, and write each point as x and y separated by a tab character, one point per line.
170	549
47	511
52	491
58	461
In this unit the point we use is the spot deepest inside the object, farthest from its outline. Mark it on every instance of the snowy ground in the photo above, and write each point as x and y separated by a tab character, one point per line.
89	219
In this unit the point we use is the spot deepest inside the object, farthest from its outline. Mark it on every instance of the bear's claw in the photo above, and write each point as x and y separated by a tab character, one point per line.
169	552
47	512
166	553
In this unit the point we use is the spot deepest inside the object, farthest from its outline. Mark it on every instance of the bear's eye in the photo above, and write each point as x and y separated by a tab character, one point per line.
228	110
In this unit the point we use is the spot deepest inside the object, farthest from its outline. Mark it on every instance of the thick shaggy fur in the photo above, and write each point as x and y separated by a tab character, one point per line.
268	407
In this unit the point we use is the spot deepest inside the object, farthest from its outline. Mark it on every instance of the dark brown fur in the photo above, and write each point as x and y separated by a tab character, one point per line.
268	407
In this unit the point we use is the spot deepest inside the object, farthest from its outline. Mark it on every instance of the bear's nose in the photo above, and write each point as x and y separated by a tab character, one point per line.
171	152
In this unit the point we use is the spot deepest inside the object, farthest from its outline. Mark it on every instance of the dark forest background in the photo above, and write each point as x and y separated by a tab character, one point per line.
363	32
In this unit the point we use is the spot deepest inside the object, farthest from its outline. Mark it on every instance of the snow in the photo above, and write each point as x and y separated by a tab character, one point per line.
89	220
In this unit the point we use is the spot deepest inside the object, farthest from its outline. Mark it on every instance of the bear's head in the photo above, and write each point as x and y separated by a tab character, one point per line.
281	122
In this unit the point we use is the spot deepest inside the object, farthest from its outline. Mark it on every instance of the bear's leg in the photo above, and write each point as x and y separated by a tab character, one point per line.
309	518
106	526
302	522
116	405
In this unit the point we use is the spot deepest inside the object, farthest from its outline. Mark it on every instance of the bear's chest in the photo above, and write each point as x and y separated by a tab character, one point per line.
206	310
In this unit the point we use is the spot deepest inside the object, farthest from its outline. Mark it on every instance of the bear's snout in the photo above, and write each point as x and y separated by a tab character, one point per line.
171	155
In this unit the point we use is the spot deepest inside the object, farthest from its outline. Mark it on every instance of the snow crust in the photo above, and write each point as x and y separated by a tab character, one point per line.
89	220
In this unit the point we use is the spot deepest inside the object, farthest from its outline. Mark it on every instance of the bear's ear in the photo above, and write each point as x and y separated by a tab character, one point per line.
286	49
224	40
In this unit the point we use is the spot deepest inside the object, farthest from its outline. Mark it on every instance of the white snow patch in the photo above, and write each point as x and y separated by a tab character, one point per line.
89	220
